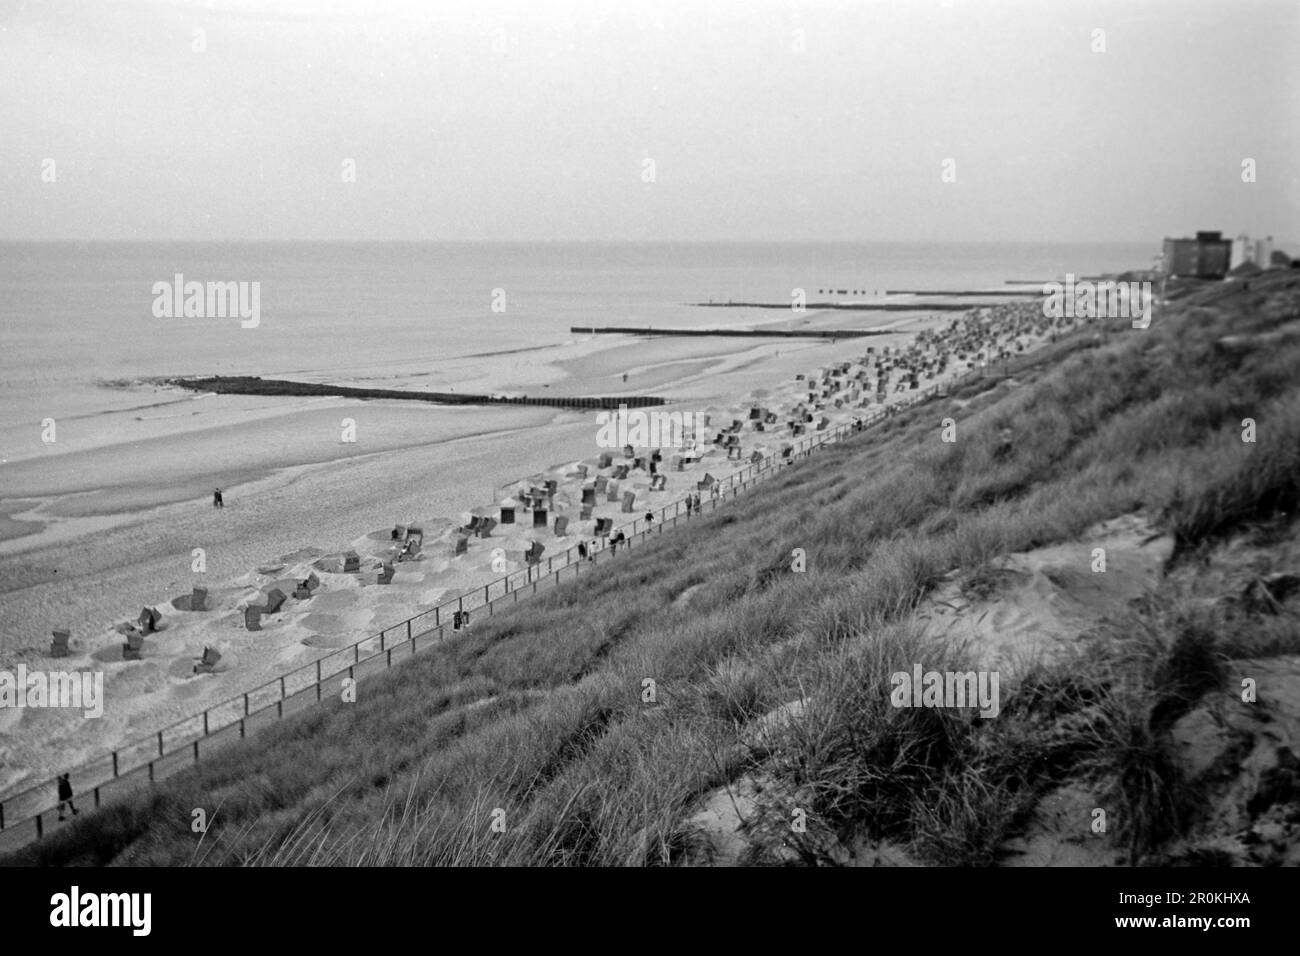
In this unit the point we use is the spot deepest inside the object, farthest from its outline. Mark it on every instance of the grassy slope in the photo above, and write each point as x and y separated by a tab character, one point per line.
1104	422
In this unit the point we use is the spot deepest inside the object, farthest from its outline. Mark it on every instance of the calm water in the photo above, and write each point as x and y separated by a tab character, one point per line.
74	315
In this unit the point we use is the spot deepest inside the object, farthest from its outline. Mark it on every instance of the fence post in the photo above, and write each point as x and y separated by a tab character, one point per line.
318	678
160	746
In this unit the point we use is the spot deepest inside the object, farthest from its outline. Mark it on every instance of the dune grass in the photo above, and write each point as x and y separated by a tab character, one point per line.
587	723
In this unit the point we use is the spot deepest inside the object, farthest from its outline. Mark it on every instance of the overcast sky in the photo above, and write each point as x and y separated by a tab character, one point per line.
648	119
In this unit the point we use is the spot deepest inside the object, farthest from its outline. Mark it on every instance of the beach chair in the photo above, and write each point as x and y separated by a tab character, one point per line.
148	620
351	562
539	518
800	377
588	496
534	553
462	544
133	649
562	526
620	472
507	515
485	527
199	599
821	425
551	485
755	458
472	527
658	482
627	451
412	549
755	413
582	471
639	464
274	601
679	463
604	526
386	573
601	482
787	451
59	643
586	513
612	489
629	498
399	532
606	459
705	483
253	617
208	662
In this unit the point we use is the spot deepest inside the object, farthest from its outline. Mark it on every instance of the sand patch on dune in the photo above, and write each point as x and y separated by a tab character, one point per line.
1035	605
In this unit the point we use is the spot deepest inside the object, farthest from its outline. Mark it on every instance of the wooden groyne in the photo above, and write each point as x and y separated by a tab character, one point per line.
849	306
737	333
967	293
253	385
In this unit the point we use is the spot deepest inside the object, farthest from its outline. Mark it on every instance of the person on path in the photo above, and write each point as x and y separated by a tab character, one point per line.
65	796
217	501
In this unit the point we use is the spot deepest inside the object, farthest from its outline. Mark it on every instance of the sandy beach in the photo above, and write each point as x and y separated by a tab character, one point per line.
296	495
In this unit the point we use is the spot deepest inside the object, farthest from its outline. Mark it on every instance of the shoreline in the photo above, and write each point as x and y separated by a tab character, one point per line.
131	569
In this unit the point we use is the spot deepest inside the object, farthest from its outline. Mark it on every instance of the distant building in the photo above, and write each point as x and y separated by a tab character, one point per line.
1242	251
1205	257
1264	252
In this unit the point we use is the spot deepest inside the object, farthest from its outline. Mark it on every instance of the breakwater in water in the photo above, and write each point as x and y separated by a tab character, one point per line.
848	307
253	385
736	333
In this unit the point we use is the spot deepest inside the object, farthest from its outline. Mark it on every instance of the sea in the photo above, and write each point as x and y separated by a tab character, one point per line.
77	319
82	343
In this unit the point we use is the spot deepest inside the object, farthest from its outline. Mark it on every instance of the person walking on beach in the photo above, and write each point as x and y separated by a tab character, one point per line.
582	551
649	519
65	796
217	500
